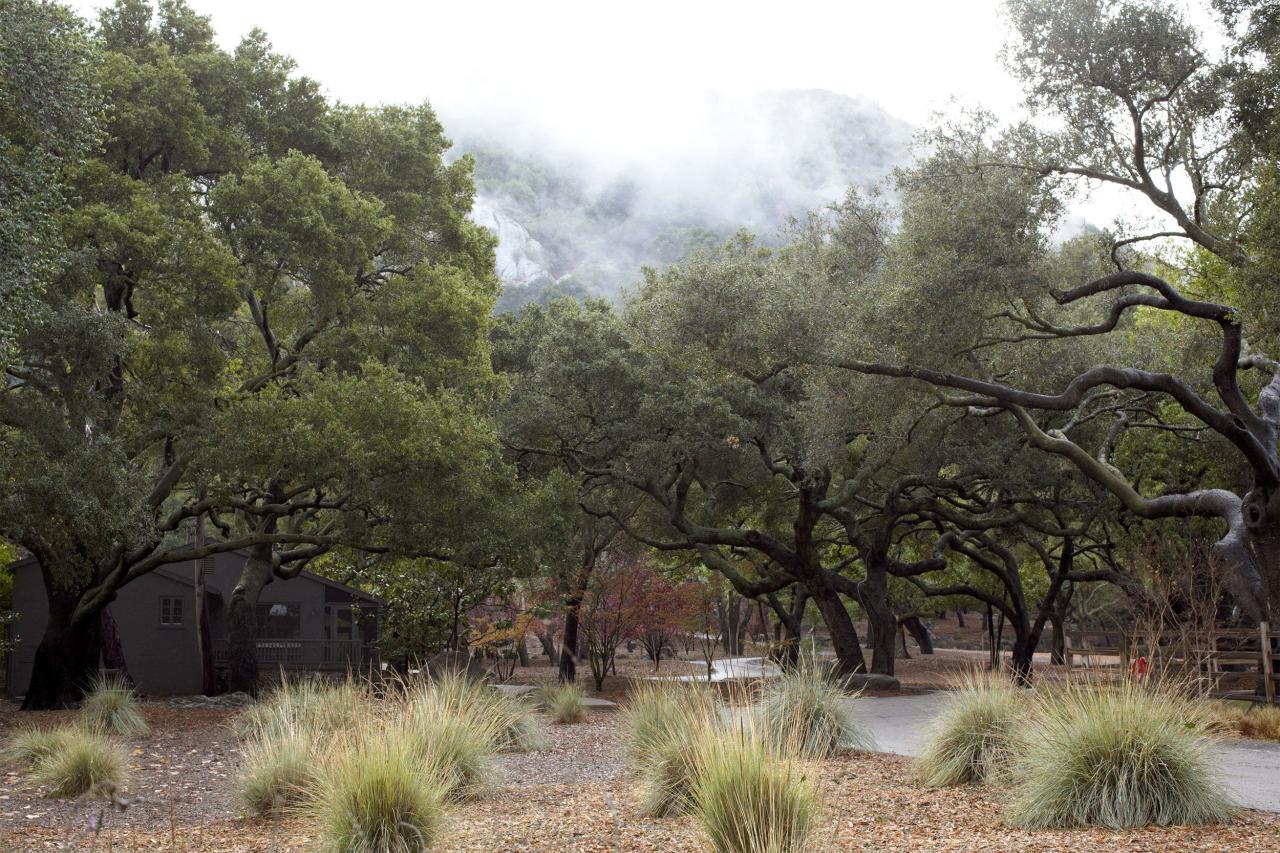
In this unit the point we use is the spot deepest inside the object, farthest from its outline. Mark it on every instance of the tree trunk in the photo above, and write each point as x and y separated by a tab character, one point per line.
960	617
901	632
920	633
548	646
112	649
1022	660
67	658
522	651
242	621
882	623
844	636
568	671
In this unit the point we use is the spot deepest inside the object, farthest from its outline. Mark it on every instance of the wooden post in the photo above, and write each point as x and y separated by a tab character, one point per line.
1268	681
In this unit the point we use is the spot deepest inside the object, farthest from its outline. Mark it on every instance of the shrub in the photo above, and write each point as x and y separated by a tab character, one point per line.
563	702
377	796
1117	756
32	746
804	709
972	739
110	706
751	795
1261	723
663	724
278	771
83	761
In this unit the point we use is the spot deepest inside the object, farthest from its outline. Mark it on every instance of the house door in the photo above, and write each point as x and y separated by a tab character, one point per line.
342	635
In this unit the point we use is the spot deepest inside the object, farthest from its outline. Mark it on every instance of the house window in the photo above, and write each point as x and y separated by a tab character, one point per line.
280	621
170	611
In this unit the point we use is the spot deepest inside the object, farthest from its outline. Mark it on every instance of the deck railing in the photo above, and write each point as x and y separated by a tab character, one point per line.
356	655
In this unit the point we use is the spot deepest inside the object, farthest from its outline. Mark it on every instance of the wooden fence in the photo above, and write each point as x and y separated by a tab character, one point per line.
1229	663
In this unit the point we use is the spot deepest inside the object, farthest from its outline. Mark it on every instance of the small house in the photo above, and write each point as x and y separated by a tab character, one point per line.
307	623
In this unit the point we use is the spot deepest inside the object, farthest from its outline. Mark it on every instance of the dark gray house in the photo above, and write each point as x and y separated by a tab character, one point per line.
307	623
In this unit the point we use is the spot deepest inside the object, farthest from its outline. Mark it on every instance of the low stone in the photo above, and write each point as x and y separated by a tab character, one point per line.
872	681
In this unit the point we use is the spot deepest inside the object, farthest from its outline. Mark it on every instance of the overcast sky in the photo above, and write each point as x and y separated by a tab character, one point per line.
629	81
624	74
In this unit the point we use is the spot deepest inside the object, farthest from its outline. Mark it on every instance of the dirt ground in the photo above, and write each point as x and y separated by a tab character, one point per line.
574	796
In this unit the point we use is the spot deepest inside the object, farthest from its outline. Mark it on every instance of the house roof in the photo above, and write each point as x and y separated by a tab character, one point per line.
170	574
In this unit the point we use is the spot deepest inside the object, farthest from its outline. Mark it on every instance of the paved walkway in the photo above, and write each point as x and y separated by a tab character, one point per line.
1249	768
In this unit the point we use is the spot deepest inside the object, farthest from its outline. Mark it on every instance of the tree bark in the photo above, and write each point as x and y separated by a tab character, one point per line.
242	621
920	633
844	636
568	670
67	657
882	623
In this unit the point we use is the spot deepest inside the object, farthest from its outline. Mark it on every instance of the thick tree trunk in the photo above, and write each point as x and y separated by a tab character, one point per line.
66	659
1022	659
242	621
844	636
882	623
920	633
568	671
960	617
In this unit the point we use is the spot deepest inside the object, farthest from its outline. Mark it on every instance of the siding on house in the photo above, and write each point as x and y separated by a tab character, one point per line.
162	658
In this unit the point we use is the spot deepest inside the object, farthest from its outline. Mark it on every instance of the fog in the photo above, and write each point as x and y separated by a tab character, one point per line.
654	117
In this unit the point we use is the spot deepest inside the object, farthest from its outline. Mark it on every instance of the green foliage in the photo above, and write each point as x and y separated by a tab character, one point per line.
50	111
805	709
751	795
111	707
1118	756
81	762
379	795
971	741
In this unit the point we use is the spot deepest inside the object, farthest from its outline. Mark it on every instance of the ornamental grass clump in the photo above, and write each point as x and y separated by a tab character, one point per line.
81	761
510	718
562	702
1119	756
31	746
971	741
278	772
805	709
663	725
111	707
455	744
377	795
310	706
750	792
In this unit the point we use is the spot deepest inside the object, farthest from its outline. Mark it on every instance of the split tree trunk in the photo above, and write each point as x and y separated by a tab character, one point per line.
242	621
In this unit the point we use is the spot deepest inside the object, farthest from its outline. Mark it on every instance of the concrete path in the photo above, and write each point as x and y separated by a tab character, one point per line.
1249	768
727	670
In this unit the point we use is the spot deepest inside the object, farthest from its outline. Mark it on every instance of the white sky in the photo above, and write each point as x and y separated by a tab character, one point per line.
628	81
579	66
